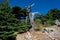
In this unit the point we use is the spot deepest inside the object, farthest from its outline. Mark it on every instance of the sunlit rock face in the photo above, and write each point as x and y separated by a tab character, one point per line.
53	33
57	22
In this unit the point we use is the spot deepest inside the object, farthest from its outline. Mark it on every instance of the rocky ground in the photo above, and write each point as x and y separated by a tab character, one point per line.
37	35
56	33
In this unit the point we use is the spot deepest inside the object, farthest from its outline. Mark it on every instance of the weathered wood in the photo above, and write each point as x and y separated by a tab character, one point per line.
28	36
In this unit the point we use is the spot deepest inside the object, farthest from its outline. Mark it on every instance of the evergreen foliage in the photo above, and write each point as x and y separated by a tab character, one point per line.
9	24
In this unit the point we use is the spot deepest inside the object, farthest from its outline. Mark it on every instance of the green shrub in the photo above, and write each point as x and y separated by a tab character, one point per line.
6	33
38	25
24	28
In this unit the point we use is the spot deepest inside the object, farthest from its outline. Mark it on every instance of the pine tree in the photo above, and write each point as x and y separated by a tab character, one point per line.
8	22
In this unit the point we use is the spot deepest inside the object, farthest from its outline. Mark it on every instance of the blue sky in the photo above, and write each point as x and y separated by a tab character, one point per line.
40	5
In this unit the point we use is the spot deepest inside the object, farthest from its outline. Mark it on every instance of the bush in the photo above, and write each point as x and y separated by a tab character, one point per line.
9	24
23	29
6	33
49	23
38	25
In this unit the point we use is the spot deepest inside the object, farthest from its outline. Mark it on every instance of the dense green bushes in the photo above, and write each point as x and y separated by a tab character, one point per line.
49	19
23	27
9	24
6	32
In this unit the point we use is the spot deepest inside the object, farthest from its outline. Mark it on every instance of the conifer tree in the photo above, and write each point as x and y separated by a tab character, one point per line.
8	22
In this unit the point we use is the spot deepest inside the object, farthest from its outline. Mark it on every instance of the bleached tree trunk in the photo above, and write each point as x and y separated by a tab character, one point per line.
32	22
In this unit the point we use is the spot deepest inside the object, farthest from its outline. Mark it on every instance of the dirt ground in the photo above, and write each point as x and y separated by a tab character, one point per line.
37	35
